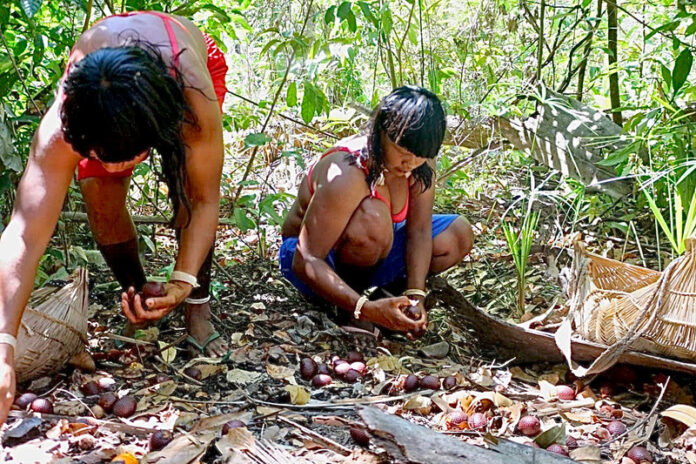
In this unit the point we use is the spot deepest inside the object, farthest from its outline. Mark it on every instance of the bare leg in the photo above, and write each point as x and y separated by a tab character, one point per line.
112	227
452	245
366	240
198	315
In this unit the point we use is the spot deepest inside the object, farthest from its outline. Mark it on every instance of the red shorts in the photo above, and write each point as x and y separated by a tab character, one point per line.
217	67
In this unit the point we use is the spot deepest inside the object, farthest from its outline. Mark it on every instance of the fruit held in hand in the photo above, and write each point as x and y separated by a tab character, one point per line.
355	356
640	454
107	401
152	290
125	407
558	449
413	312
90	388
360	436
449	382
430	382
193	372
42	405
233	424
24	400
477	421
529	426
616	428
159	439
564	392
308	368
411	383
321	380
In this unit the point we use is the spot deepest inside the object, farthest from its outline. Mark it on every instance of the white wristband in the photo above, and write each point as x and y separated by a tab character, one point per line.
415	292
359	305
184	277
8	339
203	300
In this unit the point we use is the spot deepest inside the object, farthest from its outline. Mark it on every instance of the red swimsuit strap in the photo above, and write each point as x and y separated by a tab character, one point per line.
398	217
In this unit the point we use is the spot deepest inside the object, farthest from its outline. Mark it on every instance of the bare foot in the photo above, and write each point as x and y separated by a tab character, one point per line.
200	328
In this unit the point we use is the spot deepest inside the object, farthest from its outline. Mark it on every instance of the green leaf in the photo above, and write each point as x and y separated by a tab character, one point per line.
343	10
256	139
669	27
352	23
387	22
308	102
330	15
586	3
681	70
553	435
367	11
30	7
614	159
291	97
666	74
243	221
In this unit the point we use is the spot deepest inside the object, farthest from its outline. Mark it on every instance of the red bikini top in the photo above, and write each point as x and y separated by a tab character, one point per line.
398	217
167	20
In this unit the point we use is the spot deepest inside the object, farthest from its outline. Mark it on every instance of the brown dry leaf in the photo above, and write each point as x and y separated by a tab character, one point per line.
211	369
550	377
547	390
386	363
420	404
681	413
184	449
242	377
213	423
519	374
498	399
587	455
582	417
298	394
691	456
233	446
266	410
280	372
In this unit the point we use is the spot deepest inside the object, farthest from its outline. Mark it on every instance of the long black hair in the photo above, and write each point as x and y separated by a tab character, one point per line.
122	101
413	118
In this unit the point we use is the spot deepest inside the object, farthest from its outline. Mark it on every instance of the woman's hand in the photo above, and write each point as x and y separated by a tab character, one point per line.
153	309
389	313
7	380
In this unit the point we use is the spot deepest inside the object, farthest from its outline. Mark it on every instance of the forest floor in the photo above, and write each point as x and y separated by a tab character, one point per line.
477	397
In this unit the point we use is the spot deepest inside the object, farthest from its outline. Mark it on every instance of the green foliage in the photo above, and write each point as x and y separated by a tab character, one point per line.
520	244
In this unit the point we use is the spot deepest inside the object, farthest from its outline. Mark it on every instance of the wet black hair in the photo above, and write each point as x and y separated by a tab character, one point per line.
122	101
412	117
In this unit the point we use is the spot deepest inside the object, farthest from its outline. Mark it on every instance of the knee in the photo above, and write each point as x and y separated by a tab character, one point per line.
463	237
368	237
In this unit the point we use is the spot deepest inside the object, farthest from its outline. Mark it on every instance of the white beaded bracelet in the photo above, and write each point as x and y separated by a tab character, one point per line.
8	339
198	301
414	292
359	305
184	277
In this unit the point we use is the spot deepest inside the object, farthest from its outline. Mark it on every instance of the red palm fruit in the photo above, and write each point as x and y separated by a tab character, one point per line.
616	428
564	392
477	421
529	426
355	356
558	449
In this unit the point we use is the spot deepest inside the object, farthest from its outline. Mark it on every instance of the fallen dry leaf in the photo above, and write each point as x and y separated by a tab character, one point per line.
298	394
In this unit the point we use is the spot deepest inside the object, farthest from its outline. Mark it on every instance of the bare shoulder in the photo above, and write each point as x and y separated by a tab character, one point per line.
336	174
49	140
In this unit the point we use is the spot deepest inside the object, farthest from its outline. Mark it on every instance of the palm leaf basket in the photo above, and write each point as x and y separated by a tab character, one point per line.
615	303
53	328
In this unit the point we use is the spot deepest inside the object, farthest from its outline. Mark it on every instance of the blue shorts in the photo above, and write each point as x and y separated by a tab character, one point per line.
392	268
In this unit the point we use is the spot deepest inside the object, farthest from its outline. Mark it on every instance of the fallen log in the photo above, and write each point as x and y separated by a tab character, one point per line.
533	346
407	442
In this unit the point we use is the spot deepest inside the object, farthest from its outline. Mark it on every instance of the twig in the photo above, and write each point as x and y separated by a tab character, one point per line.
327	441
341	404
285	116
122	338
114	426
76	399
16	69
270	111
641	422
176	371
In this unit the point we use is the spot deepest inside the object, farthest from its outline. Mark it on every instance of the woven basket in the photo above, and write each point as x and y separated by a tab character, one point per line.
53	328
614	302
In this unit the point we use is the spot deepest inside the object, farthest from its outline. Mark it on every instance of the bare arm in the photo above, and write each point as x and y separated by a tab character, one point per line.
419	243
39	201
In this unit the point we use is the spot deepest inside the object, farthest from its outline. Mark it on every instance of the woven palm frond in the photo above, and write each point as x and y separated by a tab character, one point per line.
53	328
659	314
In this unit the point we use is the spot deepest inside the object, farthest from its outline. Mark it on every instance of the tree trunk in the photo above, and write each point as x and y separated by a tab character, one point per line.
613	59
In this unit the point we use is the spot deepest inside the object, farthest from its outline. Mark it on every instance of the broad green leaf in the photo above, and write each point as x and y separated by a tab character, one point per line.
308	102
256	139
30	7
666	74
243	221
330	15
352	23
681	70
586	3
291	98
555	434
367	11
387	22
614	159
343	10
